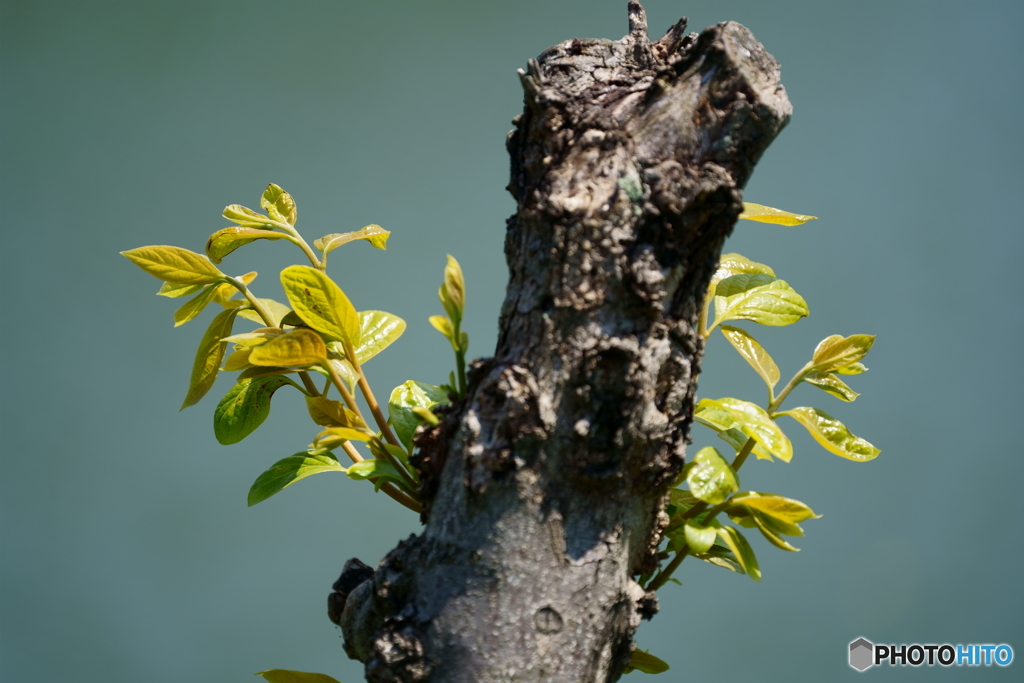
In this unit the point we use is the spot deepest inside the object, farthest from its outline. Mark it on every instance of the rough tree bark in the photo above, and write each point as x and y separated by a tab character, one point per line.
545	488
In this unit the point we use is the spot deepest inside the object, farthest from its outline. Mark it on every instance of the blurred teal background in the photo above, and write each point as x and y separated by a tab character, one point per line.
126	550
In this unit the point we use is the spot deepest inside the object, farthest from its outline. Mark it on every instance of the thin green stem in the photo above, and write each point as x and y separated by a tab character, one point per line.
665	574
388	488
307	381
364	387
346	395
797	378
297	240
741	457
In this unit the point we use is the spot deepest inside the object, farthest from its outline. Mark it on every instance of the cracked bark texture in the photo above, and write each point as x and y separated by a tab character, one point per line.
545	488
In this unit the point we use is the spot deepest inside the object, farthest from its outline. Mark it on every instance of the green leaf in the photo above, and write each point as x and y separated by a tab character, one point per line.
766	214
711	478
173	290
277	310
285	676
332	437
374	234
244	408
735	264
377	330
837	351
721	556
645	662
208	357
321	303
174	264
374	469
443	324
223	242
279	204
298	348
779	507
453	291
759	298
286	472
228	290
851	369
404	398
247	217
328	413
753	421
833	434
737	439
828	382
196	304
773	537
257	372
753	354
699	538
741	550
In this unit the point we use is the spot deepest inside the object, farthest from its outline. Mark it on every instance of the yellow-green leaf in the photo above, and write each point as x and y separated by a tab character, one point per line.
256	337
753	353
227	290
247	217
454	288
208	357
238	360
828	382
174	264
321	303
374	234
298	348
377	469
443	325
779	507
851	369
837	351
735	264
276	309
279	204
833	434
760	298
645	662
377	330
280	476
244	408
737	439
710	477
404	398
772	536
754	421
699	538
741	550
766	214
328	413
173	290
223	242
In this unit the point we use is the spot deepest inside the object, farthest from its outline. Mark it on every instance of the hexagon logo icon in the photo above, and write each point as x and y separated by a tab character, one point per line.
862	654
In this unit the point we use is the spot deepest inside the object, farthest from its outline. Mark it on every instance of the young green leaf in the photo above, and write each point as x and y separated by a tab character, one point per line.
779	507
321	303
208	357
833	434
761	522
374	234
198	303
403	399
328	413
443	324
766	214
174	264
753	354
837	351
851	369
828	382
247	217
453	291
223	242
646	663
286	472
711	479
369	469
735	264
244	408
277	310
377	330
173	290
737	439
720	556
285	676
227	290
238	360
741	550
759	298
753	421
699	538
332	437
296	349
279	204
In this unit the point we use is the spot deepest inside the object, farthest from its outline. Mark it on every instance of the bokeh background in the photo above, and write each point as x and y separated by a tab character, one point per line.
127	552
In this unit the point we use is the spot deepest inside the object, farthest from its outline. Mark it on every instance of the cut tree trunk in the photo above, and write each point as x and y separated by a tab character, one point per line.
544	489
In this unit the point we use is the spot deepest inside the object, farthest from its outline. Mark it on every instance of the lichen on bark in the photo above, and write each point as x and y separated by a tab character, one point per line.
544	489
